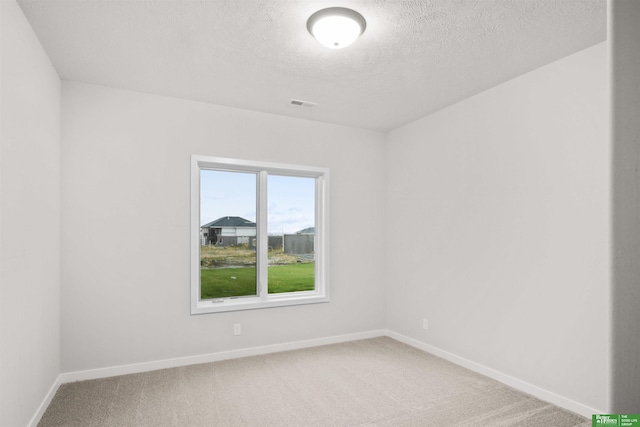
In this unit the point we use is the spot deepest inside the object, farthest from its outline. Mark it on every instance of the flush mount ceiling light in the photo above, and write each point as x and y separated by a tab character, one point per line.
336	27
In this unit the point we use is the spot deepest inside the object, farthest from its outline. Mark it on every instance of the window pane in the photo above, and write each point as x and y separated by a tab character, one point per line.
227	234
291	228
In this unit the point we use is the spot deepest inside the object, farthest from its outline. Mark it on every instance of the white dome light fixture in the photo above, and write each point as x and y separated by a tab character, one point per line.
336	27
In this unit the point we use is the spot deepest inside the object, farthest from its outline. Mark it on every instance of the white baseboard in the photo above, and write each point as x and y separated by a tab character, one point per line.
520	385
523	386
45	403
212	357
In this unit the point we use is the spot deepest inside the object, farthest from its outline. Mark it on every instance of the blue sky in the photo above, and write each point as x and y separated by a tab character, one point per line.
290	205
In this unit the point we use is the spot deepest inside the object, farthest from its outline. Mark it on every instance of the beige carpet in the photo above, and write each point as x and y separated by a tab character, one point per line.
375	382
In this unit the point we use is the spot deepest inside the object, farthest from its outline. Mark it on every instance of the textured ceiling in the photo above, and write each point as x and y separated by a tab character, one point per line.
415	57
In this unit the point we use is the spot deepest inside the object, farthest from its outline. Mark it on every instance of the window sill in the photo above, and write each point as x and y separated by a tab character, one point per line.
254	303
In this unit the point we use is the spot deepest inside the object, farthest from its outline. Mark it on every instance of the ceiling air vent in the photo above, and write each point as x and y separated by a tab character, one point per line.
306	104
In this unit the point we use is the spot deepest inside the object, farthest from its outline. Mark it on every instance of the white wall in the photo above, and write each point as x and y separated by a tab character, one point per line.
30	221
125	249
625	62
509	192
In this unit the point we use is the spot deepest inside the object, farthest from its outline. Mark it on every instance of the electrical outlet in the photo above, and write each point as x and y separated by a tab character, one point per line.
425	324
237	329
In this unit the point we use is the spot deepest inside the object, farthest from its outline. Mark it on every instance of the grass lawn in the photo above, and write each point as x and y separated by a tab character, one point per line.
232	282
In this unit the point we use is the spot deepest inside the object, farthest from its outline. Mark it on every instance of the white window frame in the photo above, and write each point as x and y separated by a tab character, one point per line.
321	240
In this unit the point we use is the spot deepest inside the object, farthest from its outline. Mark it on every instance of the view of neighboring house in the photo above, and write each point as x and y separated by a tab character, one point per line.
229	231
308	230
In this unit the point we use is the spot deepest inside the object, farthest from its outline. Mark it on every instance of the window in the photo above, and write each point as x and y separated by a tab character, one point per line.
259	235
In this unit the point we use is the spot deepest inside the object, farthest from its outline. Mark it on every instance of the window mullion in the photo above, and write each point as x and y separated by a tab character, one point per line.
263	241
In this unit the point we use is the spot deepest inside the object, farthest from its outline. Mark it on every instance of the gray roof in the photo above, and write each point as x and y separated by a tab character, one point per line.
308	230
230	221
